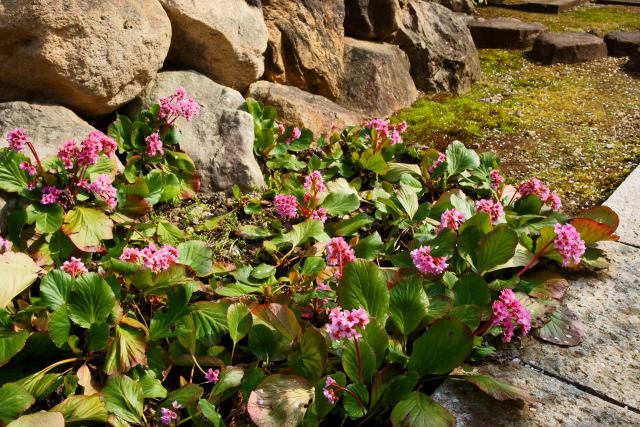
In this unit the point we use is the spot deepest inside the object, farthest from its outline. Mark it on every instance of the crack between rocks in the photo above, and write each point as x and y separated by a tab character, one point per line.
629	244
593	392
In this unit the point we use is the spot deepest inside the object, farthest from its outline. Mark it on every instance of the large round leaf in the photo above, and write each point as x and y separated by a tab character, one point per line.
54	288
123	397
17	272
309	357
408	305
40	419
10	344
90	300
87	228
82	409
444	346
496	248
364	285
14	400
280	401
419	410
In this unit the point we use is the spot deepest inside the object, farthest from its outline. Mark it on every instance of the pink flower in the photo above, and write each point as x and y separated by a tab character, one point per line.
345	324
50	195
154	258
154	145
534	186
319	214
178	105
28	168
31	185
427	264
494	209
440	160
103	190
17	139
167	416
496	179
339	254
281	129
314	182
569	244
5	245
329	391
505	309
74	267
396	133
212	376
68	153
286	206
451	218
554	201
130	255
380	126
295	135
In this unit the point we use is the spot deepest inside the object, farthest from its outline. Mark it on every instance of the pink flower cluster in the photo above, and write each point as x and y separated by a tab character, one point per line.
496	179
451	218
329	390
339	254
384	129
167	415
91	148
494	209
506	308
440	160
178	105
534	186
344	323
569	244
50	195
74	267
287	205
103	190
154	145
315	183
152	257
212	376
28	168
296	133
5	245
426	263
17	139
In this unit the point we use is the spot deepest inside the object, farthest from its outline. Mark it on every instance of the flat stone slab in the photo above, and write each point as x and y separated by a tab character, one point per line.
558	403
608	359
622	43
620	2
539	6
568	48
634	62
504	33
626	203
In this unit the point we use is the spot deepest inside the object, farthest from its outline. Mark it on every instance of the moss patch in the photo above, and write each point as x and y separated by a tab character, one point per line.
577	127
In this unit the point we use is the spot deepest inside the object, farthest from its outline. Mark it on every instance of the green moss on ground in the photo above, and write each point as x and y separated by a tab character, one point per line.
577	127
589	17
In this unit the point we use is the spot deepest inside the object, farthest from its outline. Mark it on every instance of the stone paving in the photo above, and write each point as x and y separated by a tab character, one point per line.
540	6
596	383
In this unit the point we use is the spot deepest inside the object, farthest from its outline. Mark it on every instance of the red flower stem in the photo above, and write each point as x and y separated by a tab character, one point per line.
355	341
355	396
534	259
484	328
35	155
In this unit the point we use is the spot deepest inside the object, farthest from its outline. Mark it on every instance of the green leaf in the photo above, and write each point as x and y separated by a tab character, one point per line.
592	231
60	326
87	228
459	158
468	313
496	248
444	346
152	387
350	361
419	410
280	401
128	348
373	162
90	300
124	398
263	271
471	289
82	409
349	226
12	178
210	412
369	247
352	407
209	318
563	328
48	218
301	233
41	384
19	271
15	400
10	344
54	288
313	266
528	205
309	357
196	255
239	320
364	285
279	317
169	233
494	388
408	304
602	214
185	396
40	419
338	204
97	337
408	199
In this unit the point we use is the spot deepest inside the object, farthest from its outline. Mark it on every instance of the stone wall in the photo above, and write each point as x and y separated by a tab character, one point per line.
320	62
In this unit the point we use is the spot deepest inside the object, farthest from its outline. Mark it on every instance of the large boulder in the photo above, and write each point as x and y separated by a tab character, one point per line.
299	108
460	6
220	139
90	55
622	43
377	78
224	39
371	19
634	62
439	45
568	48
305	44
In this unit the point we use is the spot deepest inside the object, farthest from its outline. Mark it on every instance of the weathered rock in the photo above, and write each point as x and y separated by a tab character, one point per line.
504	33
439	46
377	78
224	39
299	108
557	403
48	126
305	44
539	6
622	43
568	48
634	62
92	56
626	205
220	139
461	6
371	19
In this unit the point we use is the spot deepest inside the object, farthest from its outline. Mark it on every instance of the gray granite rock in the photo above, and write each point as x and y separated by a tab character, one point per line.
568	48
627	205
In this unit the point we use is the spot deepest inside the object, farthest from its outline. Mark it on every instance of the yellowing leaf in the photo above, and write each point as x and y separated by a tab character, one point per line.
17	272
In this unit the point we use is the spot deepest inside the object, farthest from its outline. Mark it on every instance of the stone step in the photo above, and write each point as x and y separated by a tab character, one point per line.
620	2
539	6
568	48
504	33
626	203
622	43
